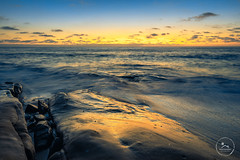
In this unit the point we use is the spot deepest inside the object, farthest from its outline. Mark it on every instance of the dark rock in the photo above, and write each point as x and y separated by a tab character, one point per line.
31	126
42	135
42	106
28	116
31	108
15	142
58	156
8	82
57	145
39	117
17	89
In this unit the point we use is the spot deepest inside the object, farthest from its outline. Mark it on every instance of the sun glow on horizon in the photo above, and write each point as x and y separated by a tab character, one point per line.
144	23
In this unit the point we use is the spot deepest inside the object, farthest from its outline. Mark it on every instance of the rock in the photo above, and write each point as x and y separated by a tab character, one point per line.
39	117
8	82
5	93
42	135
31	108
28	117
15	142
57	146
17	89
31	126
58	156
42	106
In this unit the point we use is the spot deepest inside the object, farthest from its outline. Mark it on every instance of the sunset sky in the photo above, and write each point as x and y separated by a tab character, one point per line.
120	22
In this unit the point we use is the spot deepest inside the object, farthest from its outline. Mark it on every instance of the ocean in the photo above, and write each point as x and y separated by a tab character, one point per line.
199	87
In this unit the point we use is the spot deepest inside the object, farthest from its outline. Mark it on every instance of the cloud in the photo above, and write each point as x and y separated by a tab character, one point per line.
194	37
72	35
46	35
22	32
9	28
140	32
226	39
152	35
156	28
206	32
133	35
163	34
57	30
229	39
168	26
3	18
17	41
201	16
29	41
49	41
234	30
37	32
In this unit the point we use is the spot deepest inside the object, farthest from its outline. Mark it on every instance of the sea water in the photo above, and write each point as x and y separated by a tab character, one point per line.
197	86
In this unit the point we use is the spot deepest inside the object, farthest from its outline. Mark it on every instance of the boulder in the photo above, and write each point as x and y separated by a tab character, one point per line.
57	146
31	108
39	117
42	135
15	142
42	106
17	89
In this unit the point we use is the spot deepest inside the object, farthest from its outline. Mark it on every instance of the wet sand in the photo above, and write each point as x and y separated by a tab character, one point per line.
98	127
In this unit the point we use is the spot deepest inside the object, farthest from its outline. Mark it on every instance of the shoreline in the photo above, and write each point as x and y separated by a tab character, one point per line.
86	124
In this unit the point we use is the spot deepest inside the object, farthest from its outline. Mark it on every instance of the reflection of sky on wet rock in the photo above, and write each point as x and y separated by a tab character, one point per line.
124	122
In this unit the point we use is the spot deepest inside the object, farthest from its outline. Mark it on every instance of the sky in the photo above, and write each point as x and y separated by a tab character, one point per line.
120	22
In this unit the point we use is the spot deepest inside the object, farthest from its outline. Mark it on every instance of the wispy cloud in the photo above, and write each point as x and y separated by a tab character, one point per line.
155	28
37	32
195	37
46	35
22	32
152	35
3	18
78	35
9	28
49	41
201	16
163	34
57	30
235	30
168	26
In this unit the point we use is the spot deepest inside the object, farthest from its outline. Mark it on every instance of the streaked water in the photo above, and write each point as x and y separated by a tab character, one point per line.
197	86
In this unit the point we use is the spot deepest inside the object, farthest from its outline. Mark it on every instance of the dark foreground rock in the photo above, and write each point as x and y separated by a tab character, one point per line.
15	142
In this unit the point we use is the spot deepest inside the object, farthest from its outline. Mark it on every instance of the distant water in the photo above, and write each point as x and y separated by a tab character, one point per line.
196	86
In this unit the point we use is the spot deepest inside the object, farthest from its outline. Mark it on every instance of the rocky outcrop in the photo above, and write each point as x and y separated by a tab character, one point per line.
15	142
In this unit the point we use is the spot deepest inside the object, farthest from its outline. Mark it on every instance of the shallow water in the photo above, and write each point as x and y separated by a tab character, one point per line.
197	86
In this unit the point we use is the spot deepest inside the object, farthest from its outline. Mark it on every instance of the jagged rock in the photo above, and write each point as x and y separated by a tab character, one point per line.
57	146
42	106
31	126
39	117
28	117
31	108
58	156
42	135
17	89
